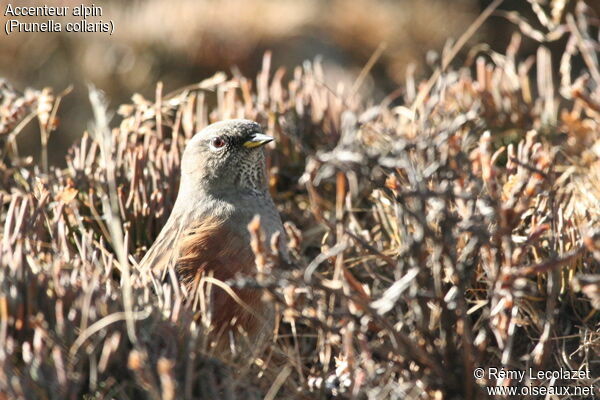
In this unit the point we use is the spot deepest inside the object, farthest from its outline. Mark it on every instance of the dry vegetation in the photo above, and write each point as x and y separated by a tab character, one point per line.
182	41
455	231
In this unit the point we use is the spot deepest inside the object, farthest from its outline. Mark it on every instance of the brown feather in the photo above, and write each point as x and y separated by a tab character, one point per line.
161	254
230	176
210	247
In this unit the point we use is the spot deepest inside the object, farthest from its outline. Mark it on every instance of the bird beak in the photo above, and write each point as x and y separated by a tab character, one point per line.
257	140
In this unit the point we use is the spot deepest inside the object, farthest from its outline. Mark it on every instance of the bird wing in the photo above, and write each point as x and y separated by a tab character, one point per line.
161	254
210	247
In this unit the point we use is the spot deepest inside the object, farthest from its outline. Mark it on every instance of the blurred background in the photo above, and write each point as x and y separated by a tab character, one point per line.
184	41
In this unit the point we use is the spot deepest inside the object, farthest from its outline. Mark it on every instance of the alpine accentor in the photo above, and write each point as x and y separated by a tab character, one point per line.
223	186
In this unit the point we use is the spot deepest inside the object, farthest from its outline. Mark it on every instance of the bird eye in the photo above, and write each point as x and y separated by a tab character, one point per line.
217	143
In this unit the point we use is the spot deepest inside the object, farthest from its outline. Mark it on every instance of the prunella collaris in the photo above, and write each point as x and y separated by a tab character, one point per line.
223	186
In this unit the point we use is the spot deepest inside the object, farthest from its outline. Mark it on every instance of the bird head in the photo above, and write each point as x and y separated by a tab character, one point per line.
226	155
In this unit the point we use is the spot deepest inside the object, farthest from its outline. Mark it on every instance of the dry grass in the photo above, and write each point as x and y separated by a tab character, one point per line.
182	41
458	230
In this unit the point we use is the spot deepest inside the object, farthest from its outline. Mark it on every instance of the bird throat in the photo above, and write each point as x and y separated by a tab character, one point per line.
251	175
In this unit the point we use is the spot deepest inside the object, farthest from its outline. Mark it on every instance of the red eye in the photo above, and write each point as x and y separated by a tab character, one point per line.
217	142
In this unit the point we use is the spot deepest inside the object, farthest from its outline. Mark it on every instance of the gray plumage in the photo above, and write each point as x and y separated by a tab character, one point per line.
221	178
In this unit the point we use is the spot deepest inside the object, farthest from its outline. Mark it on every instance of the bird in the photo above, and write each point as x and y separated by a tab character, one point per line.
223	187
